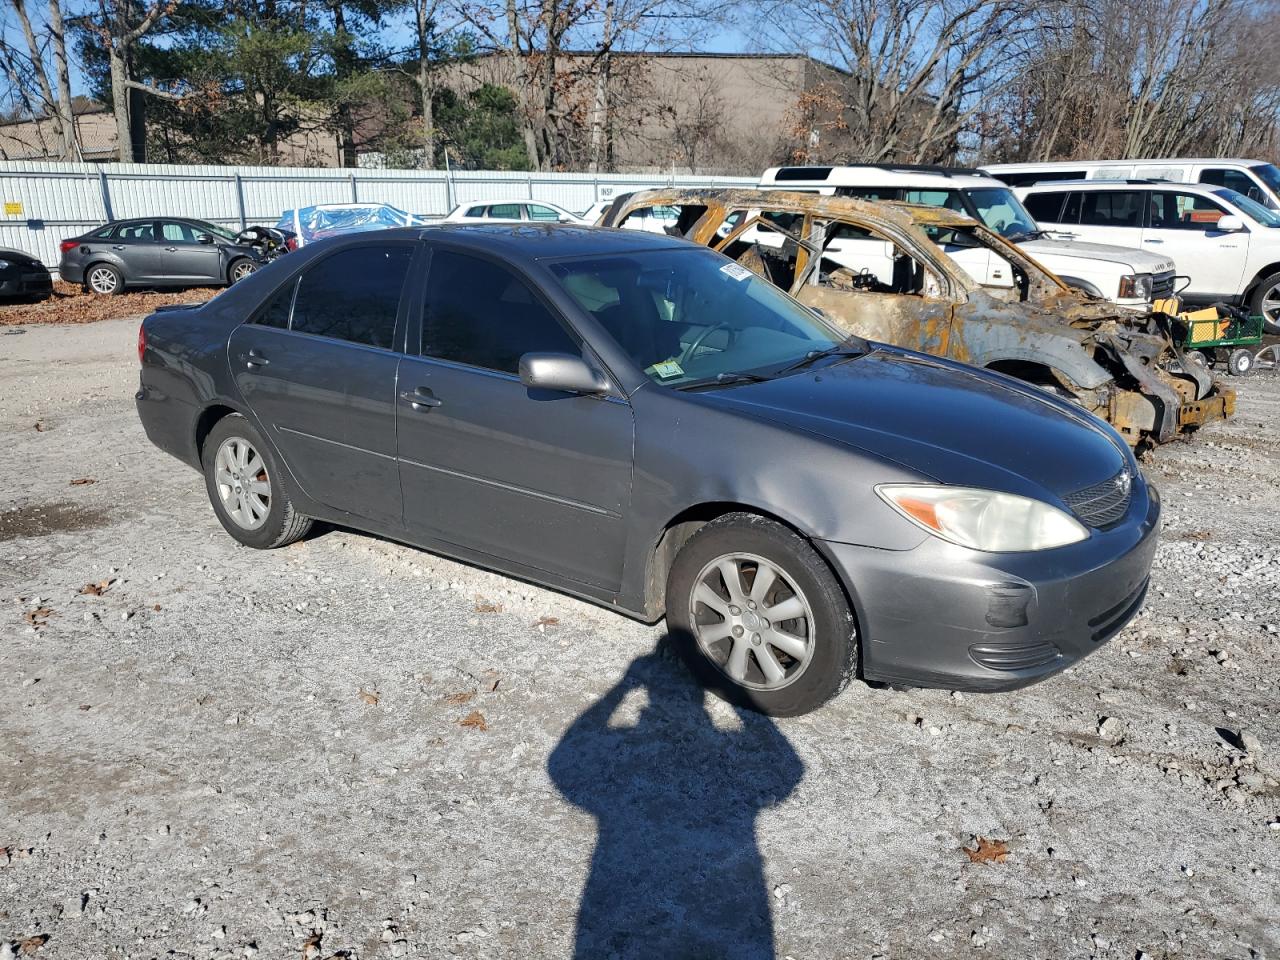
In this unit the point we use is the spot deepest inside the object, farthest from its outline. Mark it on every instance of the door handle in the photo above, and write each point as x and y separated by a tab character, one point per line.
171	249
254	359
1153	241
420	399
118	246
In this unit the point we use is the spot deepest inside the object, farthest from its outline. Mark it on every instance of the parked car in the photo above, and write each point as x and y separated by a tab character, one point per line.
641	422
308	224
153	252
512	211
23	276
885	271
1124	275
1256	179
1226	244
595	211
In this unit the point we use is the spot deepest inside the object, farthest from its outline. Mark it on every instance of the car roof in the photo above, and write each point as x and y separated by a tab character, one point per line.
878	175
1178	185
1168	161
530	241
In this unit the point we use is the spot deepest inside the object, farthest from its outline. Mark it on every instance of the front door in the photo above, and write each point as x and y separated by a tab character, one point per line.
318	365
1183	227
185	257
539	478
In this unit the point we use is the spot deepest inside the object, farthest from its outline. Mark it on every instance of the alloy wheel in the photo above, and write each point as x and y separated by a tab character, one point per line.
103	280
752	621
244	488
1271	305
242	270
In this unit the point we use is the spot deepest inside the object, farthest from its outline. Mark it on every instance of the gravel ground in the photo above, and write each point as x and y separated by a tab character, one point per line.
351	748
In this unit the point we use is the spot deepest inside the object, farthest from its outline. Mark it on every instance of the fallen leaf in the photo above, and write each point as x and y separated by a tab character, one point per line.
38	616
97	589
82	481
86	706
311	949
30	945
491	680
474	719
547	621
40	428
156	608
458	699
484	606
371	697
988	851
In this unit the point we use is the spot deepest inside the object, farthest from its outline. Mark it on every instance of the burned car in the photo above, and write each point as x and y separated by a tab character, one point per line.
903	274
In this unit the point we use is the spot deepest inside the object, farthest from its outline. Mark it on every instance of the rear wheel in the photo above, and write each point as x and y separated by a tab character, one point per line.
1240	363
1266	301
243	481
104	279
759	616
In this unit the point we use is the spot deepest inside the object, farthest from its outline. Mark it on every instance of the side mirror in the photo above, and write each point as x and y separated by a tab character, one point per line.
204	238
1229	224
561	371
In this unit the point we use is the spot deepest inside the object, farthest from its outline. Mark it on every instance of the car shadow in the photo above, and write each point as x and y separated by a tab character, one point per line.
676	872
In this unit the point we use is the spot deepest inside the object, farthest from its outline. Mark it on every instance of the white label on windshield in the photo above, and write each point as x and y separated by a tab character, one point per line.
735	271
668	369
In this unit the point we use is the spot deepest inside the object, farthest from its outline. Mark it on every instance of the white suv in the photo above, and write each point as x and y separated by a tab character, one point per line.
1129	277
1226	244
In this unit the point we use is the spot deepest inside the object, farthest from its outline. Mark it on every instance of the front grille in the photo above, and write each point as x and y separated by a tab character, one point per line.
1162	285
1103	503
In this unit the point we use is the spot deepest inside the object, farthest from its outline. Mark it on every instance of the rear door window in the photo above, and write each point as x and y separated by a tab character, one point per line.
137	232
354	295
504	211
1112	208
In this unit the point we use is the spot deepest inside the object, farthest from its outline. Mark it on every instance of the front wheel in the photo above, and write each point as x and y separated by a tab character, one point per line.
759	617
244	486
241	269
1240	363
1266	302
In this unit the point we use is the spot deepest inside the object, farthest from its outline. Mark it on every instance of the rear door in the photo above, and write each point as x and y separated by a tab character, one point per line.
318	363
1183	227
1239	181
1111	216
535	477
137	245
185	257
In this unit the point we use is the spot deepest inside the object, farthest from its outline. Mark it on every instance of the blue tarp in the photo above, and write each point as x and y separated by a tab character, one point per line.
332	219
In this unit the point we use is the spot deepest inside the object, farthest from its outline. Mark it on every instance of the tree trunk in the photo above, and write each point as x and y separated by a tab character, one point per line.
426	85
62	74
120	106
520	73
50	106
600	119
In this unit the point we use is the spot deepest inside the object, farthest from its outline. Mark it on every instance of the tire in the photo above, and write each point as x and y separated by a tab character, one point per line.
816	651
103	279
1240	363
1268	290
240	269
1197	356
261	518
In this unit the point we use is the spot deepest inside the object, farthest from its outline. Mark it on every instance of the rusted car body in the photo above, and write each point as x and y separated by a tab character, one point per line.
886	271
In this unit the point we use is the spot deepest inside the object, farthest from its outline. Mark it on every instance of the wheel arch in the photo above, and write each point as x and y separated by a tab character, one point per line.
1252	286
207	420
676	532
1082	284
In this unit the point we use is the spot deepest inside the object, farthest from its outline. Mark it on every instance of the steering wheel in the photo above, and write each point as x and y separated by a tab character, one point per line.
687	353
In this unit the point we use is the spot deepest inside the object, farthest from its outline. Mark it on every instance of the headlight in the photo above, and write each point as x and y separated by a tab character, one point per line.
5	264
983	519
1137	285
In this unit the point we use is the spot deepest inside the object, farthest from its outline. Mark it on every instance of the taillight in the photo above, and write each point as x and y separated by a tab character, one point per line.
142	340
291	243
68	245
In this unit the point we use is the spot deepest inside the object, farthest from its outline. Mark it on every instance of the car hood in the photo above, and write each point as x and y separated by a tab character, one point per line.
946	421
1139	261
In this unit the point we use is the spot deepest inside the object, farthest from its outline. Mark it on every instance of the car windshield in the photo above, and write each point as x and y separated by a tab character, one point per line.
688	316
1268	174
1003	212
1268	218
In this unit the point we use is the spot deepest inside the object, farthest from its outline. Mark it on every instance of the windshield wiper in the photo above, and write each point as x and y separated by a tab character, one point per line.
853	346
1025	235
725	379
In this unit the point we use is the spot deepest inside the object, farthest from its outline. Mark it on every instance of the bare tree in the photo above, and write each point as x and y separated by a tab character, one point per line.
120	25
30	73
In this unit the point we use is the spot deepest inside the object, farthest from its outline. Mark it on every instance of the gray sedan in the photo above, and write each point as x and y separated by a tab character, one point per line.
638	421
156	252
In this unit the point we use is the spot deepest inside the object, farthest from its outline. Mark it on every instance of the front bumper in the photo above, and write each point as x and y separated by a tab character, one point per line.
30	284
944	616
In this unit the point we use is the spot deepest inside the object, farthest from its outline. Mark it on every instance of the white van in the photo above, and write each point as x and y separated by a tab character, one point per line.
1256	179
1126	276
1226	244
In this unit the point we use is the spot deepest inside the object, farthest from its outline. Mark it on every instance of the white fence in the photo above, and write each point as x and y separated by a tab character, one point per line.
45	203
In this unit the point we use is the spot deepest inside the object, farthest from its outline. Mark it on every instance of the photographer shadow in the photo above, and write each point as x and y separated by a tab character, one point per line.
676	871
